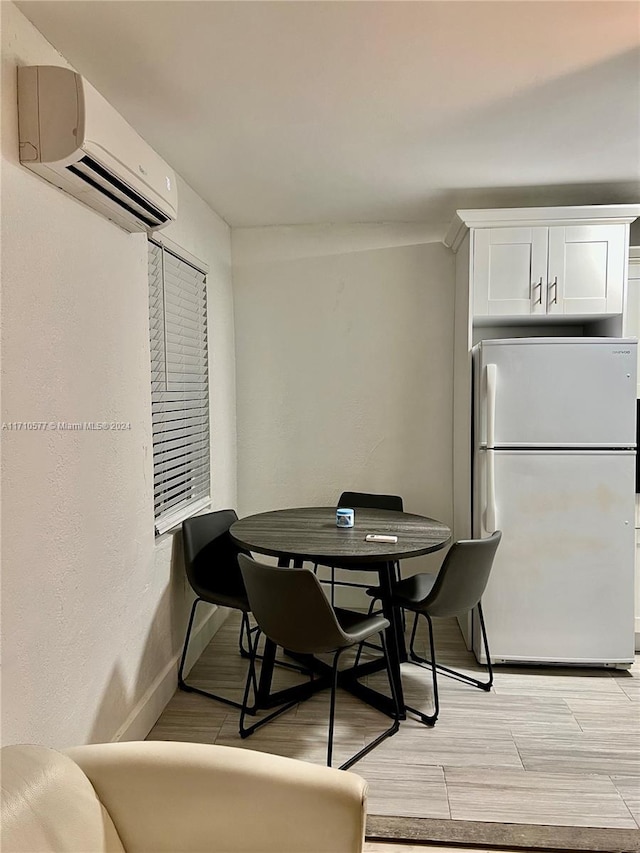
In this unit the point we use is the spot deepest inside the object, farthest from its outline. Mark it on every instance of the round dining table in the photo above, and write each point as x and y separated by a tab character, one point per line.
310	534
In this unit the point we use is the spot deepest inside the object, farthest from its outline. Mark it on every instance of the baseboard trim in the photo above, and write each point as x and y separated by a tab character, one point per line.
145	713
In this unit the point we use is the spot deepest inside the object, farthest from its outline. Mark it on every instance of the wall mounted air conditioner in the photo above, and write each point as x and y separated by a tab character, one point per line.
73	138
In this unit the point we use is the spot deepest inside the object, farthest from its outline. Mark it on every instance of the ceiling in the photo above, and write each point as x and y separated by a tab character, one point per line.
314	112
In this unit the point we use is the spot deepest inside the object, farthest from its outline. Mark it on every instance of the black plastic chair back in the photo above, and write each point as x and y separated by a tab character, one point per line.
462	578
364	500
211	556
291	608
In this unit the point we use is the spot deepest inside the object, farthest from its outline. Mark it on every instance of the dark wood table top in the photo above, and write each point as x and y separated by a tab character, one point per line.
310	533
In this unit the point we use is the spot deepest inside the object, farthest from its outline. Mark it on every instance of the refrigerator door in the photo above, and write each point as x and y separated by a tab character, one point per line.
563	392
561	587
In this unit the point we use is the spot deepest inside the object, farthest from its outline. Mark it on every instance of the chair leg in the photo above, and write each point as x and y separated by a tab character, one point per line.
393	728
245	629
332	705
364	643
412	651
252	679
358	654
428	719
182	684
454	673
487	684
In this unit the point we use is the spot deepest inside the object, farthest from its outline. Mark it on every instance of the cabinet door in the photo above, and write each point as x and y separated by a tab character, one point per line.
586	269
510	271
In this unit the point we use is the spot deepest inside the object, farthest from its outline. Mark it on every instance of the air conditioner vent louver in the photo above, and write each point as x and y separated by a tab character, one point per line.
73	138
102	180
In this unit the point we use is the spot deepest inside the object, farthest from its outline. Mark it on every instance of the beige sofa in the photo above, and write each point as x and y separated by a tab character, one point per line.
161	797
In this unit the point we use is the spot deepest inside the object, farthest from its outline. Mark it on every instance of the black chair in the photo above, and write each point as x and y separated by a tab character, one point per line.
361	500
369	500
294	613
211	564
455	590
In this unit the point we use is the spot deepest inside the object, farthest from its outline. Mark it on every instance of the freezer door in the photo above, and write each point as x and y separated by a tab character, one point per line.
561	587
564	392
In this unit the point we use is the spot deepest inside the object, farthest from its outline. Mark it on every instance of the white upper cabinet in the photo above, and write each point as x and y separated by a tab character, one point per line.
577	269
546	262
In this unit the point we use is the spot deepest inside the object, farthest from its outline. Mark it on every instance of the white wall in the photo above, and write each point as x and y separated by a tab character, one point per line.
345	365
93	611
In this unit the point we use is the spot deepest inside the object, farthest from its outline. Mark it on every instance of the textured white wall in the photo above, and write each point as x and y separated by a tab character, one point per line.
345	365
93	611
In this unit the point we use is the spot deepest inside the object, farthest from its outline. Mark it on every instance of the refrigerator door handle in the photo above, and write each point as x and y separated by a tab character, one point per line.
490	511
491	377
490	521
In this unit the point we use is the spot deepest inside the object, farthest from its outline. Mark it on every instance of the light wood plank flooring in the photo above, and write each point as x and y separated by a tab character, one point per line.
550	746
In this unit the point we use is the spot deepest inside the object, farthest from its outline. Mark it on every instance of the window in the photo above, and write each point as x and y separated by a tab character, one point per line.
179	387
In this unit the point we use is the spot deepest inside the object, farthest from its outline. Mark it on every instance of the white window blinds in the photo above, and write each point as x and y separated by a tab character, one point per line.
179	387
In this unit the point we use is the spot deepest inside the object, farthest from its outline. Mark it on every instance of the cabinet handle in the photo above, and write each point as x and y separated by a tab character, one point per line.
554	284
538	301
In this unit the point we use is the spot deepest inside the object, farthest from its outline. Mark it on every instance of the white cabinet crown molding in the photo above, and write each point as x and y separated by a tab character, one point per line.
536	216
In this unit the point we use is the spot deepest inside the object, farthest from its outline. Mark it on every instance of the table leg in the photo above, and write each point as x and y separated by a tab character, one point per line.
268	659
266	673
266	698
393	614
349	678
396	646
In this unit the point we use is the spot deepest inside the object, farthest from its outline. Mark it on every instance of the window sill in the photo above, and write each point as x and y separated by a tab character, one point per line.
171	525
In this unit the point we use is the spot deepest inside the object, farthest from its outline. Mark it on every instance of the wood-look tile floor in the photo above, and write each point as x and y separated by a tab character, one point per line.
554	746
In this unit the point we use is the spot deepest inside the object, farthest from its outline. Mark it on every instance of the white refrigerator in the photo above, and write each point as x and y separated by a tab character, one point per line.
554	469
